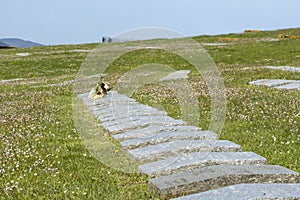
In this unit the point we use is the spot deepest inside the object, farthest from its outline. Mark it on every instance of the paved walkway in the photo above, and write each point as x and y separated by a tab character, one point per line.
184	160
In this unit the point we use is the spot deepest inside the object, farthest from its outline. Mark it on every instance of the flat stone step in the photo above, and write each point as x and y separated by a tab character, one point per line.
162	121
167	137
284	68
111	97
119	114
177	147
152	130
271	82
181	74
250	191
120	109
290	86
199	160
104	103
131	113
104	110
214	177
137	119
114	96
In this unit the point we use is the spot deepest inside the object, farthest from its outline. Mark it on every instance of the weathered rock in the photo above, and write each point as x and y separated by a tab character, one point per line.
178	147
284	68
140	118
167	137
278	83
152	130
181	74
198	160
131	113
271	82
289	86
157	120
250	191
213	177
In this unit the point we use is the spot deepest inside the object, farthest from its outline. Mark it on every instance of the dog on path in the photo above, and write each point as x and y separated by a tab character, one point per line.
99	91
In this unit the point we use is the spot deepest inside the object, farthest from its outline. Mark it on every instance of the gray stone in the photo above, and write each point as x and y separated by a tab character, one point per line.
163	121
118	121
213	177
118	114
290	86
152	130
201	168
270	82
103	112
284	68
177	147
114	96
131	113
250	191
136	119
198	160
168	136
181	74
111	97
127	112
114	105
278	84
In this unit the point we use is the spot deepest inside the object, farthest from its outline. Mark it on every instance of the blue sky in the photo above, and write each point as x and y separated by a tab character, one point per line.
84	21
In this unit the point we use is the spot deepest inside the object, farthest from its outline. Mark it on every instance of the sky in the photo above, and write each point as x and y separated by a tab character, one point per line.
52	22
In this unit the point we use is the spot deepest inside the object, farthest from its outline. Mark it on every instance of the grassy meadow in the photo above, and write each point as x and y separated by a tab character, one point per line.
41	153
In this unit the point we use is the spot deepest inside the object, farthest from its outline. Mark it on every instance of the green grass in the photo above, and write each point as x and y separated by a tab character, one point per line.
42	155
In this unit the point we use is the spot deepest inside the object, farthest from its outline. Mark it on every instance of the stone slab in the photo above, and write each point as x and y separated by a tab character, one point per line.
250	191
168	136
270	82
214	177
131	113
143	123
153	119
152	130
278	83
120	109
284	68
290	86
112	97
180	74
107	105
178	147
199	160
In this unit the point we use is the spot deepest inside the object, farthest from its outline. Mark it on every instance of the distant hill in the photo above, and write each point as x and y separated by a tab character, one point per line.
3	44
18	43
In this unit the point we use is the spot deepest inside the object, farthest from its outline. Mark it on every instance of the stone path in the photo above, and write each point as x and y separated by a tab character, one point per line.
184	160
278	83
284	68
250	191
